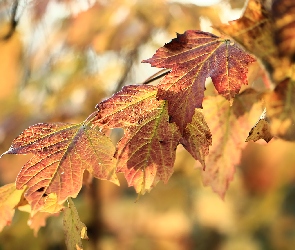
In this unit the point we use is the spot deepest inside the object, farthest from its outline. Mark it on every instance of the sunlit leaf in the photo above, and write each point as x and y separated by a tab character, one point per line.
283	12
229	126
74	229
61	154
197	137
192	57
146	153
9	199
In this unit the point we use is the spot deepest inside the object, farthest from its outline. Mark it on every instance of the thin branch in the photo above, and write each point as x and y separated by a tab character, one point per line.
157	76
13	20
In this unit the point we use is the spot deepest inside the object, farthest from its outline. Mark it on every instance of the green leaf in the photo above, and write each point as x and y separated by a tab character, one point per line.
74	228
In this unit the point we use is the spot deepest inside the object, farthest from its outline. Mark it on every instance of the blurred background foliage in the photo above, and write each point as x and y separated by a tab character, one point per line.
59	58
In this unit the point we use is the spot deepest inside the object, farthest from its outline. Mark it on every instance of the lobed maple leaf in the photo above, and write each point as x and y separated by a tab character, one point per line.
229	126
61	154
146	153
192	57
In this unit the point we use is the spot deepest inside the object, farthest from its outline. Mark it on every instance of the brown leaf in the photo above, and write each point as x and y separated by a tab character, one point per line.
254	30
146	153
283	12
261	130
61	154
37	221
197	137
280	107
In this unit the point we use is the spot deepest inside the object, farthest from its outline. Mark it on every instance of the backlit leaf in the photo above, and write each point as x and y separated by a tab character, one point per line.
127	107
192	57
75	230
197	137
230	126
61	154
9	199
37	221
146	153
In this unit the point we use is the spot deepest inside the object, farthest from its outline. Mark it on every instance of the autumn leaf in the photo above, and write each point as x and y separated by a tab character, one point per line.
254	31
61	154
197	137
146	153
261	130
280	110
74	229
9	199
127	107
192	57
229	126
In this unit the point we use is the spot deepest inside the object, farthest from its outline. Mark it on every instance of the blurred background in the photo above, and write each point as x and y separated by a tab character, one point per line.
59	58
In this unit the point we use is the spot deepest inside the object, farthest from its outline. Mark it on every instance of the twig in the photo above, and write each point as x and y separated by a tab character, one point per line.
13	21
157	76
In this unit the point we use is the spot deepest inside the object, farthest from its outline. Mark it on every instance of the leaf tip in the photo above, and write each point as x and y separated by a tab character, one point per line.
9	151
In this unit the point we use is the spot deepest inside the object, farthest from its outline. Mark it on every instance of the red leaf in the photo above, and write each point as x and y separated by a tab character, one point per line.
146	153
197	137
192	57
61	154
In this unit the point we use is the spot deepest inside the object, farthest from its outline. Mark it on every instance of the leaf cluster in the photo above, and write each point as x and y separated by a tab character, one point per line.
156	119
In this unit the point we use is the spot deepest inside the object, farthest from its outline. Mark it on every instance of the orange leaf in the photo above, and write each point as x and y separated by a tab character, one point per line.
9	199
229	126
61	154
